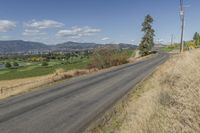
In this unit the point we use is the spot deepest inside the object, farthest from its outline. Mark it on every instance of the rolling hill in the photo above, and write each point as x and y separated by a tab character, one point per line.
15	46
20	46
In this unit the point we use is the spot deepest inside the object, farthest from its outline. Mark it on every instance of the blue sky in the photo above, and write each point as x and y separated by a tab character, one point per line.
100	21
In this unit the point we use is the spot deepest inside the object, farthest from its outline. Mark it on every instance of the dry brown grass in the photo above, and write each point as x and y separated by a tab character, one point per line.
172	102
167	102
14	87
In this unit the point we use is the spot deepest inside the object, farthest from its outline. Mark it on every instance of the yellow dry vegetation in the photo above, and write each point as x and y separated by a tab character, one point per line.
170	101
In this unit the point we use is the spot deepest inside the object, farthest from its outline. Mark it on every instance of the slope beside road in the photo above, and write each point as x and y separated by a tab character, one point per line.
69	107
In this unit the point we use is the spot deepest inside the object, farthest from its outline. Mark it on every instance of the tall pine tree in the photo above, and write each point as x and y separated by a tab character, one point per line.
196	38
147	42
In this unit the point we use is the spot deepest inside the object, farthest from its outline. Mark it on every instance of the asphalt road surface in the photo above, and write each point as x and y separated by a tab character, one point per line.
72	105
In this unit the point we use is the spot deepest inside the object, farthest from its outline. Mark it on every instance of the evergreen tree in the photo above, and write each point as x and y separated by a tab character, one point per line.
196	38
147	42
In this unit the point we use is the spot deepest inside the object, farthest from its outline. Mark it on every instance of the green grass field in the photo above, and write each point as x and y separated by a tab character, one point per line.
35	69
167	49
170	48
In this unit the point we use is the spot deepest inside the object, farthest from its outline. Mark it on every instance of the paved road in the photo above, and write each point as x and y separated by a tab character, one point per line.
70	106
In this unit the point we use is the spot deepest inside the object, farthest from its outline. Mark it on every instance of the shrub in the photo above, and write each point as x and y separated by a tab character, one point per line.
107	57
15	64
45	64
8	65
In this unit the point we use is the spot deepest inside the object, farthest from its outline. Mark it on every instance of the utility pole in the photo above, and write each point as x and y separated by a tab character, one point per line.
172	39
182	16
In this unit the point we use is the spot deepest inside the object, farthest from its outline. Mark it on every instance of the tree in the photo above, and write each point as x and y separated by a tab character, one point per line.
15	64
107	57
147	42
196	38
8	65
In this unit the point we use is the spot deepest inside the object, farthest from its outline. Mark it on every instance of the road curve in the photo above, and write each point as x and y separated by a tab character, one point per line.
70	106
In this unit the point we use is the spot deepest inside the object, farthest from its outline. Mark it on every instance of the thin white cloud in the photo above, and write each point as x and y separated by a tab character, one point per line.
6	25
77	32
28	32
105	39
43	24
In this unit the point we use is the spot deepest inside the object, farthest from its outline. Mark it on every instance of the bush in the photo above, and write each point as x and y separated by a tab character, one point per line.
107	57
45	64
15	64
8	65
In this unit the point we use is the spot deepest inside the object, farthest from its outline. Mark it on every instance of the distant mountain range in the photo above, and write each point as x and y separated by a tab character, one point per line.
20	46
